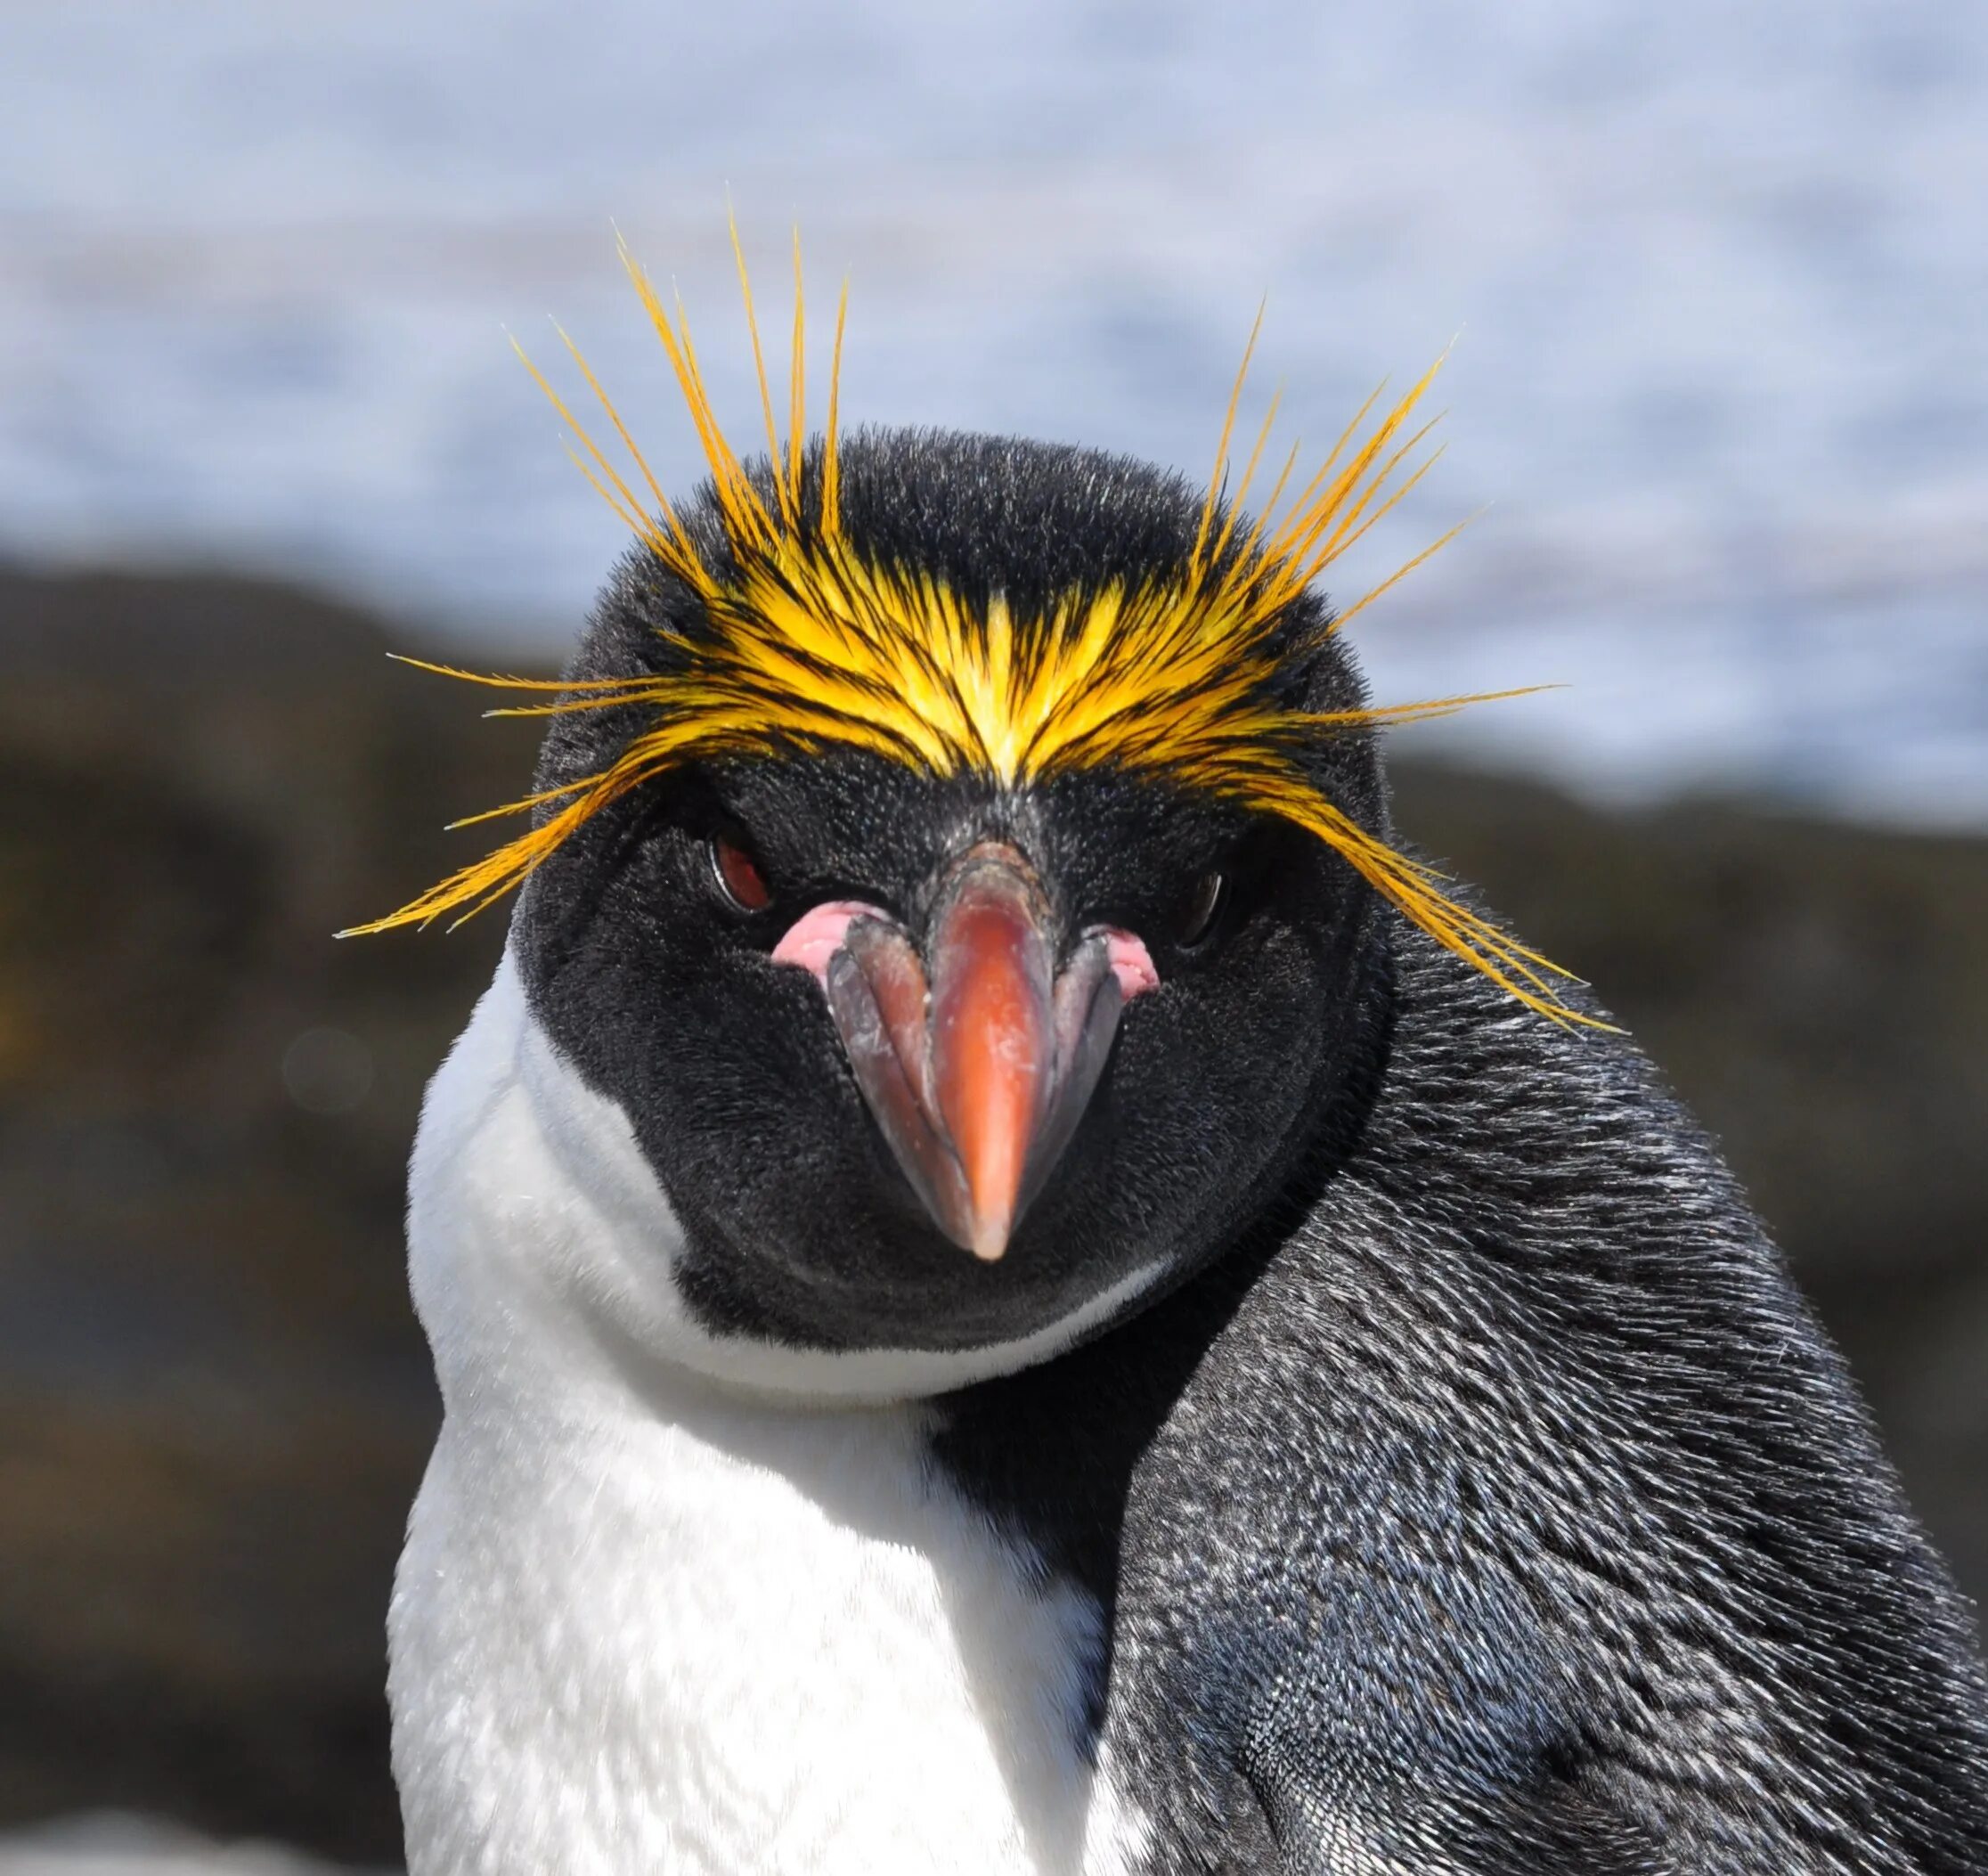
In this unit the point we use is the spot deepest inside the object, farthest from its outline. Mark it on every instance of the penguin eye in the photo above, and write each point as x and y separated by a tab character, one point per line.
1201	910
738	877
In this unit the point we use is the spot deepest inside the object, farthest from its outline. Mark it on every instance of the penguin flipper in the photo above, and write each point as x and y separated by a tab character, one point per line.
1551	1829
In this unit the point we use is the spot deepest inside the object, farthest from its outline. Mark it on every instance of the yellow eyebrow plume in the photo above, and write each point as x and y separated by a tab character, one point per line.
807	644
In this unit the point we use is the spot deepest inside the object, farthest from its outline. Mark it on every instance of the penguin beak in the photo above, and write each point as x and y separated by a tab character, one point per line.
978	1059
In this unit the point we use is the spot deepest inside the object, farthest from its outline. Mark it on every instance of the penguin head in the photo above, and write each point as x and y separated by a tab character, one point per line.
936	1059
961	866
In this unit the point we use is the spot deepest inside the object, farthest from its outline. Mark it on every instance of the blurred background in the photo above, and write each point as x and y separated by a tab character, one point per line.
1721	388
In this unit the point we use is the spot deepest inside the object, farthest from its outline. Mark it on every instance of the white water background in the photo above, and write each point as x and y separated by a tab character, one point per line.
1719	271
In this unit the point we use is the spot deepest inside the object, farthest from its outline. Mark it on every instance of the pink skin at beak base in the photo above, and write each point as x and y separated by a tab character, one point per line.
1131	962
817	935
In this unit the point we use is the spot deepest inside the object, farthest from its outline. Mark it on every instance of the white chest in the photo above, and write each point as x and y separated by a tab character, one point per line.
745	1639
648	1623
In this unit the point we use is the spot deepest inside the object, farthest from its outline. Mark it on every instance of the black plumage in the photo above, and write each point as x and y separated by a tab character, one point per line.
1477	1493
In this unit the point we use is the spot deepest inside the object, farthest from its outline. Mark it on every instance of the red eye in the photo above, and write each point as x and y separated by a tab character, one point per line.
738	876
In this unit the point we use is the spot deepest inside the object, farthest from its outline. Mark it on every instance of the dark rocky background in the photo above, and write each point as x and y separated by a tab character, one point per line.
214	1400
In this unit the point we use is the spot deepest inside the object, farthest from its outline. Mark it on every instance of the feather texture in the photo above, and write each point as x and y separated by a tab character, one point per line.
807	644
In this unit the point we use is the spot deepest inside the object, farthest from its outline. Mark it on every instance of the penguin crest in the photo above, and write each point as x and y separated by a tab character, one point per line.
805	643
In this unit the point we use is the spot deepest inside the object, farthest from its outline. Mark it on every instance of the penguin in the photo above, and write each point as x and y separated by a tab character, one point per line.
1018	1286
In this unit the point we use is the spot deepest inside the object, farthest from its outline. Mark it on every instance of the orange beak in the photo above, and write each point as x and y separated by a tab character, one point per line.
978	1073
993	1054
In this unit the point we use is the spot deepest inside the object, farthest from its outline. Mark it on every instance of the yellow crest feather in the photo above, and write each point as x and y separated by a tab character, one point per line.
809	645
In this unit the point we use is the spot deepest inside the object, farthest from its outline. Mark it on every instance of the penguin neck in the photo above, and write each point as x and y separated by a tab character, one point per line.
1049	1452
